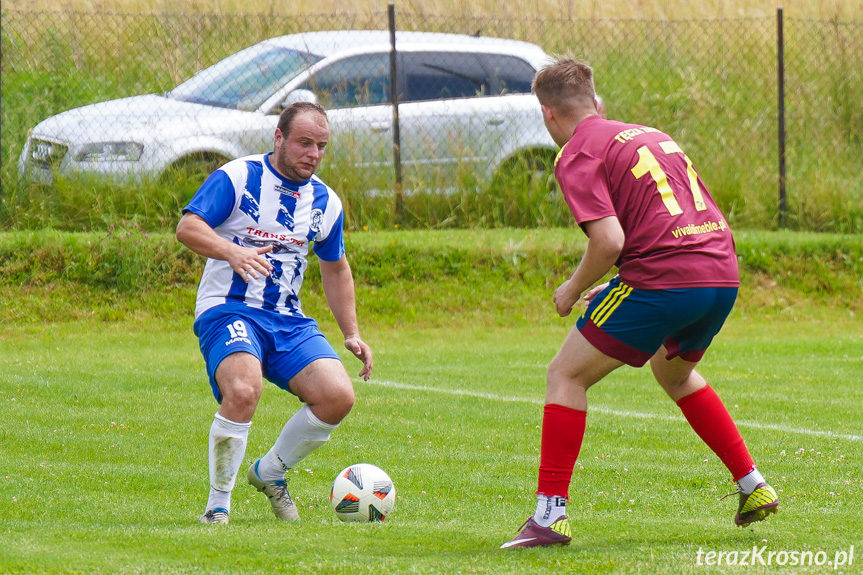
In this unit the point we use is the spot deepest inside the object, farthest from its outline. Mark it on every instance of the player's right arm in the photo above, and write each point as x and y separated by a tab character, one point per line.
604	245
197	235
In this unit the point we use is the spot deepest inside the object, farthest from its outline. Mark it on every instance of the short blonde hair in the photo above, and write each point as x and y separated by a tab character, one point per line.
565	84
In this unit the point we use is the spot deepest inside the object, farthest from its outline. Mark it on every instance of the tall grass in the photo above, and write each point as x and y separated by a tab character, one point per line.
514	9
709	83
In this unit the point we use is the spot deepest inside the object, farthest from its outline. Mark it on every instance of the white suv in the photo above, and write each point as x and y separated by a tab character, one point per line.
462	99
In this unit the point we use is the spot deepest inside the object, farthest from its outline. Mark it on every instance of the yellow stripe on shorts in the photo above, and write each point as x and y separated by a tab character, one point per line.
600	309
610	303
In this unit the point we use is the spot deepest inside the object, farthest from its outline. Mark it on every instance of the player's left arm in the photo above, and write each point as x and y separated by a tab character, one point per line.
604	245
338	283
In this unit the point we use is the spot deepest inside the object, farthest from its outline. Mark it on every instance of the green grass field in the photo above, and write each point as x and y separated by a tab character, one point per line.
104	435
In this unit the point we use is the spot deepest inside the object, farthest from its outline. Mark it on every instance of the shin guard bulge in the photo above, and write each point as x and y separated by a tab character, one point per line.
227	446
707	415
302	434
562	435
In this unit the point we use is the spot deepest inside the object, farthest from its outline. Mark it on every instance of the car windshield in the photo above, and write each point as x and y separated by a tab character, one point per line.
245	80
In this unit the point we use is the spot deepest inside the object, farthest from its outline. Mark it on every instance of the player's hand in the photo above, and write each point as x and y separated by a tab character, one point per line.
362	352
591	293
248	262
564	298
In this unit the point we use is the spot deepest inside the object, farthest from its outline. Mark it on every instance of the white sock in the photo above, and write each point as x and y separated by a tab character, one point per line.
226	450
302	434
750	481
219	500
549	509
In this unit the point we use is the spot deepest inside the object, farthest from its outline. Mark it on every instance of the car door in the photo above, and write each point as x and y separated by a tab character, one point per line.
355	91
465	109
441	115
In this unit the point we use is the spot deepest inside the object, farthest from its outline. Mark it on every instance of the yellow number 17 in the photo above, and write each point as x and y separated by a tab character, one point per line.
647	164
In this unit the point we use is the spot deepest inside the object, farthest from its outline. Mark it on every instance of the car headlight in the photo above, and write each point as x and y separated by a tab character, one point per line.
111	152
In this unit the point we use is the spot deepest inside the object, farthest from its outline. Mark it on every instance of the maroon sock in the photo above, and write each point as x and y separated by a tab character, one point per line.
707	415
562	434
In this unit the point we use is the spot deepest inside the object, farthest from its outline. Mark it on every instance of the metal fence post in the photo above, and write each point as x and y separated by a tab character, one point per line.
780	50
398	207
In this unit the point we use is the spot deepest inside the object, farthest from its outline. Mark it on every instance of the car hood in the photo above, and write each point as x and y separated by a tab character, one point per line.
139	118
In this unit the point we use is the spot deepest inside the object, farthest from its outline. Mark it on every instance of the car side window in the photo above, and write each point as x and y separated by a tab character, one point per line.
352	82
443	75
509	74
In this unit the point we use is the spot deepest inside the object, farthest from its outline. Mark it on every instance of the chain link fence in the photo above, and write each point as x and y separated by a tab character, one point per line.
471	139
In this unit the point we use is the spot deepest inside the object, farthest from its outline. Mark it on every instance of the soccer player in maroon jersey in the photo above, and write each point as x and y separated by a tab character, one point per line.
644	209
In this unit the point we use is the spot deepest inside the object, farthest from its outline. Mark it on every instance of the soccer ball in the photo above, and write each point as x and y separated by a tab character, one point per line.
363	492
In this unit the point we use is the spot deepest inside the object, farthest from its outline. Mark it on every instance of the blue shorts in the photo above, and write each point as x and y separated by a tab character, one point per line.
283	344
631	324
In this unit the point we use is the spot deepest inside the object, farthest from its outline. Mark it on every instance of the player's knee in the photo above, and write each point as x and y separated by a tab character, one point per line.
562	379
333	409
559	375
342	401
331	401
241	395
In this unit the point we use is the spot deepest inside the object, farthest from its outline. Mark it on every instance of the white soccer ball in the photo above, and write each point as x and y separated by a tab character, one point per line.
363	492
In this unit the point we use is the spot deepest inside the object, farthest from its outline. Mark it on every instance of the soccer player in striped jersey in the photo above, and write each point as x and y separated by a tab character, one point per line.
254	219
644	209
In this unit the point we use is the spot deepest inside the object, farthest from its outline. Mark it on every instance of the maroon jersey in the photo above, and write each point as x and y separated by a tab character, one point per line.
675	234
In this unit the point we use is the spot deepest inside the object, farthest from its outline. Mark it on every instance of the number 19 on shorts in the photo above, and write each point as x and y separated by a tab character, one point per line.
238	329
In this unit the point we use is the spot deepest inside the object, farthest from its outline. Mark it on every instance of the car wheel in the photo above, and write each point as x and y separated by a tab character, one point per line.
524	193
530	172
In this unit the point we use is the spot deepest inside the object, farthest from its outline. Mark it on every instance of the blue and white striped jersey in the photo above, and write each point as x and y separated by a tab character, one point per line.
248	202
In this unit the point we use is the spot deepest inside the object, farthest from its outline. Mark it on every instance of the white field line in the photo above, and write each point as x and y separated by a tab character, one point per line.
599	409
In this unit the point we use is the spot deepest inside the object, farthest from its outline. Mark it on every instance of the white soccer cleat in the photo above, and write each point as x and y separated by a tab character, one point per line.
216	516
277	492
